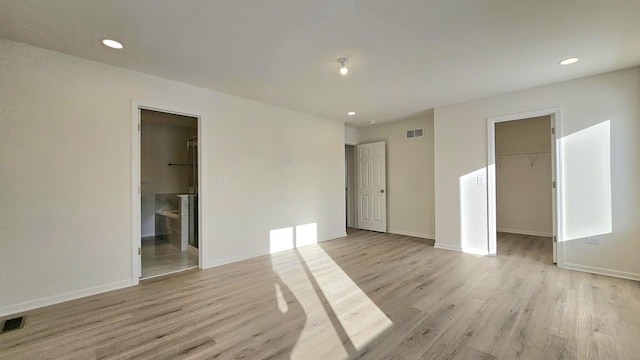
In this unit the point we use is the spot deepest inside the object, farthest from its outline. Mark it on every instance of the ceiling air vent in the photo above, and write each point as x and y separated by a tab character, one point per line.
415	133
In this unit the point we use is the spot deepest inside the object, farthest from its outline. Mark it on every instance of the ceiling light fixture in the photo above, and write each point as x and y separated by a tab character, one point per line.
569	61
112	44
372	122
351	113
343	65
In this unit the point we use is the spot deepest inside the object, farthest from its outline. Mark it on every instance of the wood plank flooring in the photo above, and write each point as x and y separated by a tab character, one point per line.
366	296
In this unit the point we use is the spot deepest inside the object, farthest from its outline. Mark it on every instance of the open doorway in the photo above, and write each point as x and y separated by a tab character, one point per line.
169	193
523	179
350	185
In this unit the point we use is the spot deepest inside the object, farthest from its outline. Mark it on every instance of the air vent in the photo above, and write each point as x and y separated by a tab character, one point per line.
415	133
12	324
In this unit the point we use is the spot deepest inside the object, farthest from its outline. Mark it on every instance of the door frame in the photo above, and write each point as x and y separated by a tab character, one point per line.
350	180
136	162
556	157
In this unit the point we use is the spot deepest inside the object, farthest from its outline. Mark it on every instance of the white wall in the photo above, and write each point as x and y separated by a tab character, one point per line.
162	144
65	169
410	197
351	136
523	182
601	165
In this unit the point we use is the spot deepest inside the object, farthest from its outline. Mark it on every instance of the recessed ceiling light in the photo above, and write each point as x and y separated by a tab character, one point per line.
351	113
112	44
372	121
568	61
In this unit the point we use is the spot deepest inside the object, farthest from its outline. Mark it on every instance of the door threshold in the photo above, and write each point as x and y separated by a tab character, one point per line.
168	273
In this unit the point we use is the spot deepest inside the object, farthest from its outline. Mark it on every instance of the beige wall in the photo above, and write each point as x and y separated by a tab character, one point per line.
66	173
523	176
598	138
162	144
410	196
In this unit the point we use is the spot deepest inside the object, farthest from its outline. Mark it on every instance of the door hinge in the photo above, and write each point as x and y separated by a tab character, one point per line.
139	251
555	239
553	184
138	126
553	131
139	189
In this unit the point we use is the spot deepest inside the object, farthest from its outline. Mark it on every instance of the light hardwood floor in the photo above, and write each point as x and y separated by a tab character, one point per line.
366	296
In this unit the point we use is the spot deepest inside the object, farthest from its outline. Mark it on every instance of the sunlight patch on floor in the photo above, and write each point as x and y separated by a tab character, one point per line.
341	318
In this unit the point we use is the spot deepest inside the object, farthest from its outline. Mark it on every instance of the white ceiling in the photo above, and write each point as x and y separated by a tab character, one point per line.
405	56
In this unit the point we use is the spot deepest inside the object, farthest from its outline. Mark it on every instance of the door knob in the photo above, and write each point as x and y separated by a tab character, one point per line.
381	191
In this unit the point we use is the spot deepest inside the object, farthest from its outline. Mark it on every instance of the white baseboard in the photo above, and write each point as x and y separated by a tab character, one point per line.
447	247
602	271
57	299
247	256
473	251
411	233
333	237
525	232
465	250
232	259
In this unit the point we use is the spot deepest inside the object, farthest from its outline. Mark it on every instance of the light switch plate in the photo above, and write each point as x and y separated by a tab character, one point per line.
594	241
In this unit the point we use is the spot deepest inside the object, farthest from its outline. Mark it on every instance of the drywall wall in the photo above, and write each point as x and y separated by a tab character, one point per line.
598	138
351	136
523	176
410	197
162	144
66	169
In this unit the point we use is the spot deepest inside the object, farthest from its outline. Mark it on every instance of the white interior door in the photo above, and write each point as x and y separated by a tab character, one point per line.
371	187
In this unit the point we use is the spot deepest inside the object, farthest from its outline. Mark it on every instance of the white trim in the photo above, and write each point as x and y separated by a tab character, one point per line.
474	251
471	251
57	299
251	255
411	233
447	247
333	237
525	232
136	227
556	115
203	164
233	259
169	273
602	271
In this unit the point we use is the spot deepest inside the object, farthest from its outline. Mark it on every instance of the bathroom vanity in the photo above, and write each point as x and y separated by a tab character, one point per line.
174	220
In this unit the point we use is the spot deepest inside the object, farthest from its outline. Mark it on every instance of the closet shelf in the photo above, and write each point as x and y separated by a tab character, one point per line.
526	153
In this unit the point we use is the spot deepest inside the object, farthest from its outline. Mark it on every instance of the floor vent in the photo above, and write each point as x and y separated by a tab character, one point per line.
12	324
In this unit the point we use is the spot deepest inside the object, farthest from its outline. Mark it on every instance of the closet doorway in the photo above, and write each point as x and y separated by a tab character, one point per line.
523	181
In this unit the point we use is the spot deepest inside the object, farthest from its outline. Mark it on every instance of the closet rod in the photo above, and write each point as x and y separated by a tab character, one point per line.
526	153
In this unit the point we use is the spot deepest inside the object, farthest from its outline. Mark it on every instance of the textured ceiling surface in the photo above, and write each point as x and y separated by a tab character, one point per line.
404	56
